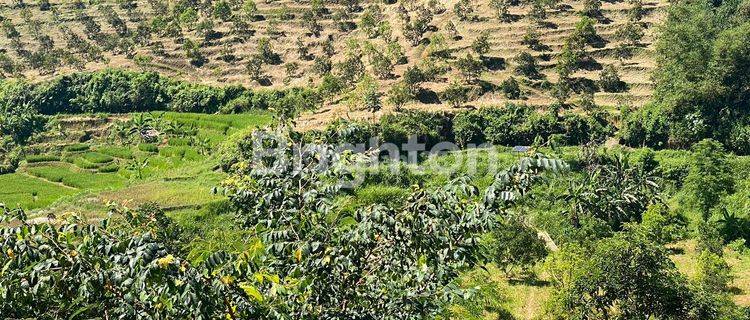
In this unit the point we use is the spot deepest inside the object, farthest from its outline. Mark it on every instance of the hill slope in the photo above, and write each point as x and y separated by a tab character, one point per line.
222	37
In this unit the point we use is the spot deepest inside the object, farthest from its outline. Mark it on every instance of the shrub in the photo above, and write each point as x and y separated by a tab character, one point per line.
647	126
470	68
429	128
610	81
516	245
526	65
455	94
511	89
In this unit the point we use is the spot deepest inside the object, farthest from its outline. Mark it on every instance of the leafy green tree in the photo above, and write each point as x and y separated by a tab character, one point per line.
254	68
456	94
610	81
222	10
470	68
68	267
366	96
310	21
709	177
511	89
516	245
481	45
451	30
592	8
501	9
193	53
526	65
421	245
625	276
399	95
537	14
714	274
463	9
322	65
266	52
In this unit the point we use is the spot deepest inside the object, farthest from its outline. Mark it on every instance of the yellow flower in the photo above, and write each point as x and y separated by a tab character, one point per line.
227	279
166	261
11	254
73	253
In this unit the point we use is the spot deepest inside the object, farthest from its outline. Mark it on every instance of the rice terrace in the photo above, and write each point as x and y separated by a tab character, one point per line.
375	159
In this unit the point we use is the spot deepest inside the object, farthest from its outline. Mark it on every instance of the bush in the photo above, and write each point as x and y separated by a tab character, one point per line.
647	126
455	94
429	128
526	65
516	245
610	81
511	89
521	125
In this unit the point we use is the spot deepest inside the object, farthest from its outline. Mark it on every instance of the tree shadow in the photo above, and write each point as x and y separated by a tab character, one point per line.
494	63
548	25
583	85
529	281
512	18
590	64
485	86
427	96
265	82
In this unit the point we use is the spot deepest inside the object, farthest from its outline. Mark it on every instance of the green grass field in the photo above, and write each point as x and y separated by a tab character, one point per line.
176	173
21	190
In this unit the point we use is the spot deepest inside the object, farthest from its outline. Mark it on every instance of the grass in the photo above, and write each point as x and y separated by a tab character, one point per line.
78	147
85	164
148	147
69	176
98	158
41	158
20	190
117	152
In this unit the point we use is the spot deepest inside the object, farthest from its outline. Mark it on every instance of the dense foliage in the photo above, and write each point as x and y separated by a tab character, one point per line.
117	91
701	80
394	262
66	268
509	126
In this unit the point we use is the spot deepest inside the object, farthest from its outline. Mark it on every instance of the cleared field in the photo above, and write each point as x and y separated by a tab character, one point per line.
21	190
75	178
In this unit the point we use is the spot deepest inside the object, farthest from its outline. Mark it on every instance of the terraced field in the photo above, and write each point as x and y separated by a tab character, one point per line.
101	170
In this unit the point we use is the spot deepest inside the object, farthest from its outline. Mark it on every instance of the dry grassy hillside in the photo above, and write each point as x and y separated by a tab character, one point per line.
228	48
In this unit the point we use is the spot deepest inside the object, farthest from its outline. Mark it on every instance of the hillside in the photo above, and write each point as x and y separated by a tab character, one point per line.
42	41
